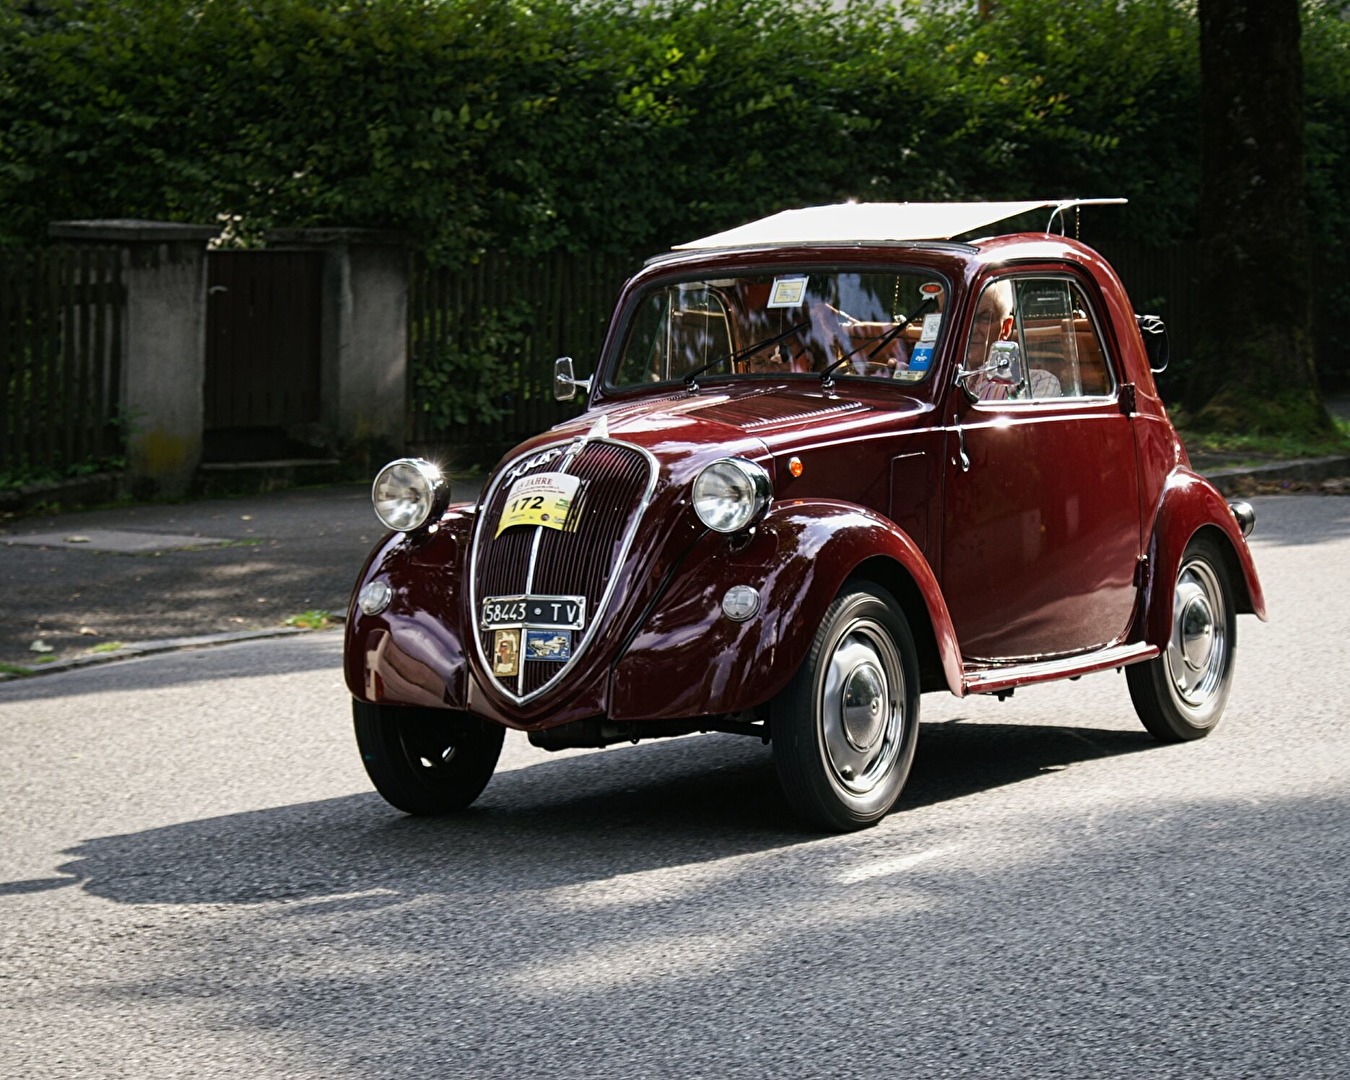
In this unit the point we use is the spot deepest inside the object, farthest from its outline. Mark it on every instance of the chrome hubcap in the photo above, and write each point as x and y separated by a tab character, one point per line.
1197	654
861	717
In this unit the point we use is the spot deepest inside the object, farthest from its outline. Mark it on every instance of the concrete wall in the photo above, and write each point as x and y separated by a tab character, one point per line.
364	343
163	346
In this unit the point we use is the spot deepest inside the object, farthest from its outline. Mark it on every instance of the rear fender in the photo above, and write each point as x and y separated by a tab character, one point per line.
688	659
1189	504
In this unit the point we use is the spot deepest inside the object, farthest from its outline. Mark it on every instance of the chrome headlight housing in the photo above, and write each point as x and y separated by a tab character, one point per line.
408	492
731	493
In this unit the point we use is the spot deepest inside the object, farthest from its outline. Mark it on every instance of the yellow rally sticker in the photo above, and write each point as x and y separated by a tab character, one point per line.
542	499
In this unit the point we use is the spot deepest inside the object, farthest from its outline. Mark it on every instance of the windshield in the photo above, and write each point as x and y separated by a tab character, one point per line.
857	324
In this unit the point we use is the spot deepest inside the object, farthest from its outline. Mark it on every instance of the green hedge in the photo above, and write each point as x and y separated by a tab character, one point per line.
615	125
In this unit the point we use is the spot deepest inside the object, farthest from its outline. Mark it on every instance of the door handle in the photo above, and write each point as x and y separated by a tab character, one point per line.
962	458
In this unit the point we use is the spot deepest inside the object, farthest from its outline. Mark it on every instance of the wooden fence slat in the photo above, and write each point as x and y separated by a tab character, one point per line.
79	310
7	365
99	317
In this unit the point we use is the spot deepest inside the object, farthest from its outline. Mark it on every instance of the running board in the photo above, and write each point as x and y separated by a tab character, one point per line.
992	680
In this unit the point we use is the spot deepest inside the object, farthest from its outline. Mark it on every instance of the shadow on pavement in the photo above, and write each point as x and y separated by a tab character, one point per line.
1286	520
570	821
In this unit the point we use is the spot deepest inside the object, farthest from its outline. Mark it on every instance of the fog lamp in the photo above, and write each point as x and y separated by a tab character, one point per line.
740	603
374	597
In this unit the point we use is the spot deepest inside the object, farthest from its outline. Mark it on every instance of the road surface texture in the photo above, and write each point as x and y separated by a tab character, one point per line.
196	880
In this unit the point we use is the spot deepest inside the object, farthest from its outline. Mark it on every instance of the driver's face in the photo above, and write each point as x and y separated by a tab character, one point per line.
986	328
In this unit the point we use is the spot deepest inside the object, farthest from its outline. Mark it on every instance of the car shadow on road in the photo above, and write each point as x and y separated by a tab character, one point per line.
563	822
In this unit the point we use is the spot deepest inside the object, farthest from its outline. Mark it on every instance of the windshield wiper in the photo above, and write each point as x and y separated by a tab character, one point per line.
885	339
745	353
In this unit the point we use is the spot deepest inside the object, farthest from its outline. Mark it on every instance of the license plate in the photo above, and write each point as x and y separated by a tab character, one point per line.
553	612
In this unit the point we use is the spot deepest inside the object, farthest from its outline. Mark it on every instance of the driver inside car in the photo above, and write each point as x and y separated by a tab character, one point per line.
994	322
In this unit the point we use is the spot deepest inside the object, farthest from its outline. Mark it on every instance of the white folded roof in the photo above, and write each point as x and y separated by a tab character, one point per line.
874	223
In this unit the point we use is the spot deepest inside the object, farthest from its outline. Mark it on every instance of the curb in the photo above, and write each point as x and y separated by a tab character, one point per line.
149	648
78	491
1307	469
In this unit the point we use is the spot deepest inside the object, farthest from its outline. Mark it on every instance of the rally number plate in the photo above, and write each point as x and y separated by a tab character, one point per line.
554	612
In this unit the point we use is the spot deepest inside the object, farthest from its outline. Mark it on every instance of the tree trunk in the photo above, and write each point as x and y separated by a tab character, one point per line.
1255	320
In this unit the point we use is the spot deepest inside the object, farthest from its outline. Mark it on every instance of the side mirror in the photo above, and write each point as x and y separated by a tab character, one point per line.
565	383
1005	363
1155	341
1004	368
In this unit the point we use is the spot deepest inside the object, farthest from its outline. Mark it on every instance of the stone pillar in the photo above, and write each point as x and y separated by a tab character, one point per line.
163	345
364	340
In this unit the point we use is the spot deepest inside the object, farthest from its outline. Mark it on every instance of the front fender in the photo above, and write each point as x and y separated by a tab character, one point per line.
688	659
413	652
1188	504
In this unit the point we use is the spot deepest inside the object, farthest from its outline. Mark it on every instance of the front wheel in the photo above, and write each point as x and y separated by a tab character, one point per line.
426	761
845	727
1180	695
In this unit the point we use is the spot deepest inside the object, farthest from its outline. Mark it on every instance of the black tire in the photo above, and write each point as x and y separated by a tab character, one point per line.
844	729
1180	695
426	761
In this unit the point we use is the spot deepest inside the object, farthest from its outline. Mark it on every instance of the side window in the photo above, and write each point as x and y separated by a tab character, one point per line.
1035	339
1062	352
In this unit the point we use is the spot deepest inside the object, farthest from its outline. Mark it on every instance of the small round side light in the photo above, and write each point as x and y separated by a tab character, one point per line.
374	597
795	467
741	602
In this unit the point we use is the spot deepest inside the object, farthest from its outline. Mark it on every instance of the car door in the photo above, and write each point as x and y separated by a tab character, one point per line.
1040	509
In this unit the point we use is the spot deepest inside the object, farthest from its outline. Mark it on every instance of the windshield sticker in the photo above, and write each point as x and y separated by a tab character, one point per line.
542	499
548	645
921	357
931	325
787	292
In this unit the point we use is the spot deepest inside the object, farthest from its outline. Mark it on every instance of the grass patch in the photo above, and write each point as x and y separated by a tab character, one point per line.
17	670
1260	449
311	620
46	659
106	646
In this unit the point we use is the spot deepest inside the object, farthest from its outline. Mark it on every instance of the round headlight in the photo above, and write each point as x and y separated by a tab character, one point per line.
407	491
729	494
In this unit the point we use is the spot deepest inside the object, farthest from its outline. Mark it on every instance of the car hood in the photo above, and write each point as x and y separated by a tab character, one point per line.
684	431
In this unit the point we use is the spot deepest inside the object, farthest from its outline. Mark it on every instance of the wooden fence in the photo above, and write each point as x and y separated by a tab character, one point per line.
494	330
1162	281
60	359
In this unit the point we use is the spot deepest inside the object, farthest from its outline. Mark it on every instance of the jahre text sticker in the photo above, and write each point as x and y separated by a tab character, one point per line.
542	499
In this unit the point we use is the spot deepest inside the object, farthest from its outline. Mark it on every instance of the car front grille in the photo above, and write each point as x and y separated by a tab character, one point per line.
616	482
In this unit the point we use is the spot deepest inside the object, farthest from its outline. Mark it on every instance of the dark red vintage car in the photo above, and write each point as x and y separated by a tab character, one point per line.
831	460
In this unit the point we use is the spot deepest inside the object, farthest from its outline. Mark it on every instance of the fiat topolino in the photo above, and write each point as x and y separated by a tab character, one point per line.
830	461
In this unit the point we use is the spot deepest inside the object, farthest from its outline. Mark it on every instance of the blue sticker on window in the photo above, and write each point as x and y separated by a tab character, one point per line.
921	357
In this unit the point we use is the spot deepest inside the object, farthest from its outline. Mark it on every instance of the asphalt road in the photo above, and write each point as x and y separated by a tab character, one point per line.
196	880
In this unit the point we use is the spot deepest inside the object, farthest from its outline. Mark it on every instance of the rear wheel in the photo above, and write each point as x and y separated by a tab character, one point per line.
1180	695
426	761
845	727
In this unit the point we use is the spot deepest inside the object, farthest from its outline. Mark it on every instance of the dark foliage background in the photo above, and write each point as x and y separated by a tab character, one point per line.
620	126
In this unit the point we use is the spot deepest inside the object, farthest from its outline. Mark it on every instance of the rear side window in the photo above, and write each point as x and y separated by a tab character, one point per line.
1048	325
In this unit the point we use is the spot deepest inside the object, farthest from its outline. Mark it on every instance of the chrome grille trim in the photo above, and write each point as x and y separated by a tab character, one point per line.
481	526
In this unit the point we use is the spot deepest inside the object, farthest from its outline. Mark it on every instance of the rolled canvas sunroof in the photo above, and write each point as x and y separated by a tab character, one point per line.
873	223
